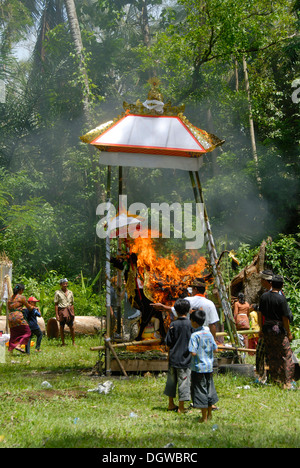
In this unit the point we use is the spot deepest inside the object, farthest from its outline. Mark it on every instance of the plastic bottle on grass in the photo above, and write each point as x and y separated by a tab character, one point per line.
46	384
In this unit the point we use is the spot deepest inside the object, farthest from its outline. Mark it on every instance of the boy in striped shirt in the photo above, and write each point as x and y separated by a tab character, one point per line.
202	346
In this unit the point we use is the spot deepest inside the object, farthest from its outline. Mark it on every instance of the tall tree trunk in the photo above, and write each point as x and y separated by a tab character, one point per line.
236	73
252	133
145	23
76	36
91	205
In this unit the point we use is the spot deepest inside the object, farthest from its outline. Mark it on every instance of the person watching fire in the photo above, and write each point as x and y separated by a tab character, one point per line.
197	301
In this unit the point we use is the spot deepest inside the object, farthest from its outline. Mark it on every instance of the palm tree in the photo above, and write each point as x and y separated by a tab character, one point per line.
51	15
76	36
54	13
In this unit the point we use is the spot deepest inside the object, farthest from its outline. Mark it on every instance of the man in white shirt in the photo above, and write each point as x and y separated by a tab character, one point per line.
198	301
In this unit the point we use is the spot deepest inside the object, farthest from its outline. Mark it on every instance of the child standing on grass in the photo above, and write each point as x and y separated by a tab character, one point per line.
202	346
31	317
177	340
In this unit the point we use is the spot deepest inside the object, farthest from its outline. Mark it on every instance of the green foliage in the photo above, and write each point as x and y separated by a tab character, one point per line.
86	300
31	225
51	184
15	20
283	258
245	254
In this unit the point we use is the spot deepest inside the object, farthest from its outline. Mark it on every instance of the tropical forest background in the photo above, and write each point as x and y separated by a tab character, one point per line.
67	66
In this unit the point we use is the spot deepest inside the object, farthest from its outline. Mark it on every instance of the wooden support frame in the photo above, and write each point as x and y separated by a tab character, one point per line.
226	306
107	274
109	345
119	273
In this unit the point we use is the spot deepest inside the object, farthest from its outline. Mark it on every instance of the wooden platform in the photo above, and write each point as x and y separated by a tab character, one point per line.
140	365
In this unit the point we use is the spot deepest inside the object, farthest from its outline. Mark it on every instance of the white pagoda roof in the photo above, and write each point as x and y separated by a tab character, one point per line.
153	137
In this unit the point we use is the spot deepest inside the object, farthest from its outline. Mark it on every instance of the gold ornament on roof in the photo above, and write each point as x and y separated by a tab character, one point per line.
154	94
154	104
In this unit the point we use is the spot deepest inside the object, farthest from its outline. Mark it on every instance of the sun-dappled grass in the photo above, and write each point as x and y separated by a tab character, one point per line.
134	413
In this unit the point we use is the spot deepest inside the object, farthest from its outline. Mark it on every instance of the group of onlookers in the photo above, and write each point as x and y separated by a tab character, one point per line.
191	340
191	337
24	313
273	321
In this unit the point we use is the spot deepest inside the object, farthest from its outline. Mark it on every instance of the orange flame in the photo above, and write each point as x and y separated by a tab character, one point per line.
163	280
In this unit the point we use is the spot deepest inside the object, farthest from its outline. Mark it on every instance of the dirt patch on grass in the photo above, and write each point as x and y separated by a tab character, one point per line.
50	393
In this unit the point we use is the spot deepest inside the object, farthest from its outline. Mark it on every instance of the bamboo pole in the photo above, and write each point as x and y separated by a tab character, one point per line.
112	346
7	314
107	274
231	348
197	189
119	272
108	343
129	343
240	332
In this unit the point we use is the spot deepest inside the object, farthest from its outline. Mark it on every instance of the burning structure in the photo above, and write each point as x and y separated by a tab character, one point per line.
153	134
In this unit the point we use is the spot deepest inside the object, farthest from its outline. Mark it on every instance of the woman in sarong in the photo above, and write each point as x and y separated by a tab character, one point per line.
241	315
20	332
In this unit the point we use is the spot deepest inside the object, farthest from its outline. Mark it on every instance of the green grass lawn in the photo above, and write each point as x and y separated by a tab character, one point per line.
68	416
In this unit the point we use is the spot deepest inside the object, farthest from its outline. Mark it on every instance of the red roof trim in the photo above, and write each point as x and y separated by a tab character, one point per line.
149	150
202	150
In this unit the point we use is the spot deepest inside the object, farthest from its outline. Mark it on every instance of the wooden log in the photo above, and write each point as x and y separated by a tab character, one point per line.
129	343
83	325
40	320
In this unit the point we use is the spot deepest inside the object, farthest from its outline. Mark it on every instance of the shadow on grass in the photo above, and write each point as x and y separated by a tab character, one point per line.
204	436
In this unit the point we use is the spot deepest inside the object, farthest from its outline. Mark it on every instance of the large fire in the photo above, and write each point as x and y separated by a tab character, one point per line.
164	281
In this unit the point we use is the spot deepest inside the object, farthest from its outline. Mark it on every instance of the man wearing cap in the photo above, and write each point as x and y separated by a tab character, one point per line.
64	309
266	278
31	318
199	301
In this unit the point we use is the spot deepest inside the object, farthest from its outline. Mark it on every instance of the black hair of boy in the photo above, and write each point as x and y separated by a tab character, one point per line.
182	306
198	316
